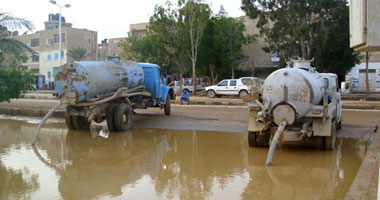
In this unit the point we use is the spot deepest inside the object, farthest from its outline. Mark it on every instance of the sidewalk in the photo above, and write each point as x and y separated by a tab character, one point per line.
349	101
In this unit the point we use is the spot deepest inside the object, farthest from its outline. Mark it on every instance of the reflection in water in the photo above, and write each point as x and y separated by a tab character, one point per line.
168	164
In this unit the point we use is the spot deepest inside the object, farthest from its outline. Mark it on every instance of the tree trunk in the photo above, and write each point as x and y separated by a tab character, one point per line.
180	82
232	72
366	73
194	79
303	50
212	67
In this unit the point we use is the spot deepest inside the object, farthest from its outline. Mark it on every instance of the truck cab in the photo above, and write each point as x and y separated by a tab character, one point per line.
154	84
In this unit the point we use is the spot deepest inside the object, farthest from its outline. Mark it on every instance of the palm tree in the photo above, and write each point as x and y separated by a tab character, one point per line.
78	53
8	44
15	78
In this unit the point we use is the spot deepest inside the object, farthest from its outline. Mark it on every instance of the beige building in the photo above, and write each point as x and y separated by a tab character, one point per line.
138	30
110	48
46	44
258	62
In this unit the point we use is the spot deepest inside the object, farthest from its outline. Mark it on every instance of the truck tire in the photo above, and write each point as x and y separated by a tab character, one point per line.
167	106
211	93
339	125
69	121
81	123
123	117
329	142
252	139
243	93
110	117
318	142
255	139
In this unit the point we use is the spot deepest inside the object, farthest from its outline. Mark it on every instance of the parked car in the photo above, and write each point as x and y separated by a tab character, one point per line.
177	87
231	87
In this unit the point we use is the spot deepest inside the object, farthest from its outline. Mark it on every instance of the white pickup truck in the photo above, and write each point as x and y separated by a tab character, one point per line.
231	87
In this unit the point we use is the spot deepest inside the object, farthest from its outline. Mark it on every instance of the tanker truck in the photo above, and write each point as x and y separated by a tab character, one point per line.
296	104
111	91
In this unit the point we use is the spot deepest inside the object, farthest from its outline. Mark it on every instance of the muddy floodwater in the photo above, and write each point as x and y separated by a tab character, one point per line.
165	164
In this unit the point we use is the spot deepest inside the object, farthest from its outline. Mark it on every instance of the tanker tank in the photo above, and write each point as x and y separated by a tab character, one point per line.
292	91
88	79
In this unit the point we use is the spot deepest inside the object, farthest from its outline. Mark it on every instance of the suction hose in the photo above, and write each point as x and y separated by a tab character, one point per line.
274	142
51	111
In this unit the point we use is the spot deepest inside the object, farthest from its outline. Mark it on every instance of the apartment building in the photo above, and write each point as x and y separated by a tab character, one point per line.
46	44
138	30
110	47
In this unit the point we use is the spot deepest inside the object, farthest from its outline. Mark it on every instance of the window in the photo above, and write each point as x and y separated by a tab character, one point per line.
35	58
49	57
49	42
56	56
49	75
233	83
35	42
247	81
223	83
55	71
56	36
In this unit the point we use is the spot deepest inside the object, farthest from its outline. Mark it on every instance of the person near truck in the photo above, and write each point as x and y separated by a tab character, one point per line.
185	97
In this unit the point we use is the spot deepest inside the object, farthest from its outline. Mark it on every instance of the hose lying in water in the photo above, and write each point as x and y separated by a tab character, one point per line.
51	111
274	142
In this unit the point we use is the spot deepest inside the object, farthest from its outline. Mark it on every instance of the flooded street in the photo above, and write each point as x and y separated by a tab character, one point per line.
165	164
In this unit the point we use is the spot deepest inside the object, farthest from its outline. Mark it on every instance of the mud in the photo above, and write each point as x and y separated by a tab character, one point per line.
167	164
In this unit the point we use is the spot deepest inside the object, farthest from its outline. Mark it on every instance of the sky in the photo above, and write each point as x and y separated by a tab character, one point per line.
111	18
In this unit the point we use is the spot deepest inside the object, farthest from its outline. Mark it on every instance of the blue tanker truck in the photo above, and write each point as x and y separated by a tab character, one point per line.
110	90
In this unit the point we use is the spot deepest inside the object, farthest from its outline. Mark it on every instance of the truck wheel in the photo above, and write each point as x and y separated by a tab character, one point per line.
317	142
252	139
69	121
167	106
329	142
110	117
255	139
123	117
339	125
211	93
242	93
80	123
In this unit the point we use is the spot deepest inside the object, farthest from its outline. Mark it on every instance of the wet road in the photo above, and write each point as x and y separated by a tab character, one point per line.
166	164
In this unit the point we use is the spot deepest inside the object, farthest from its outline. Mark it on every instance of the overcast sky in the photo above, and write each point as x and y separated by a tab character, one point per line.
109	18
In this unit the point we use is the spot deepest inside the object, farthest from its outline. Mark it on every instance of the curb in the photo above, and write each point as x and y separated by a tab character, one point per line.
28	112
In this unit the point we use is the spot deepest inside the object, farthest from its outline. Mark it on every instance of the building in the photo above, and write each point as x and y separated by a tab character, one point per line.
357	76
110	47
138	30
258	62
46	44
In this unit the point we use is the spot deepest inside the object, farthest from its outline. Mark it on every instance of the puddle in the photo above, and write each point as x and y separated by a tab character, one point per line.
165	164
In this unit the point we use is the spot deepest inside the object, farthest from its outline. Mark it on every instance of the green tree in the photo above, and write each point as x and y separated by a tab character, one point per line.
229	39
14	77
164	44
302	28
193	18
78	53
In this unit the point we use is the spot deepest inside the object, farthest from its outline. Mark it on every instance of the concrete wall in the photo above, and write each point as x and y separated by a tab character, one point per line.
357	80
371	80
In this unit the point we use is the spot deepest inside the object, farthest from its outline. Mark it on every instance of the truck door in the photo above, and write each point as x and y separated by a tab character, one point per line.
222	87
232	88
152	81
